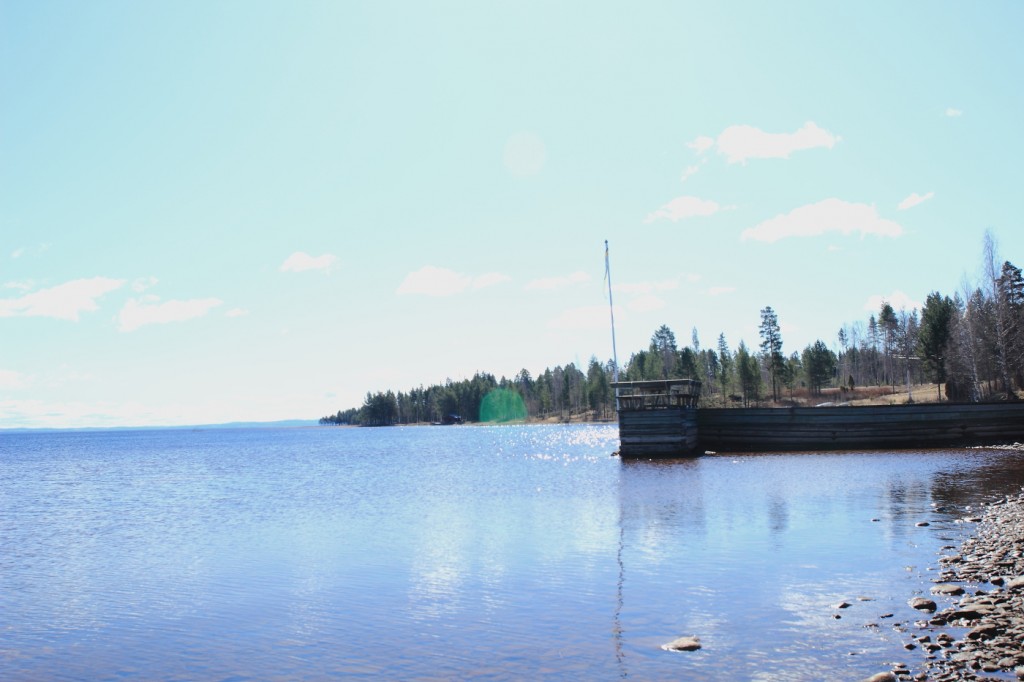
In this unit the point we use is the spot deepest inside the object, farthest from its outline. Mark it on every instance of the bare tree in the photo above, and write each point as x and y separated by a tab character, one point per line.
990	256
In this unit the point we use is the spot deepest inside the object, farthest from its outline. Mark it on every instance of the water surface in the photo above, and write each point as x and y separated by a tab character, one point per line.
462	552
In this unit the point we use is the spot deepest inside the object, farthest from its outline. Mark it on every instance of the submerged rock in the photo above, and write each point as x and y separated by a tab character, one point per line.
682	644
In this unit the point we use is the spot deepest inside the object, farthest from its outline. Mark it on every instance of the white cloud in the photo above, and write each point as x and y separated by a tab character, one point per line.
954	113
829	215
10	379
701	144
741	142
688	173
489	279
138	313
143	283
914	199
585	318
553	283
719	291
18	253
644	288
301	262
684	207
897	299
63	302
236	312
24	285
34	413
432	281
645	304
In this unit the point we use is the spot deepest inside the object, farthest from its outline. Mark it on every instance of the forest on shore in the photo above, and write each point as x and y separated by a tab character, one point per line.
969	345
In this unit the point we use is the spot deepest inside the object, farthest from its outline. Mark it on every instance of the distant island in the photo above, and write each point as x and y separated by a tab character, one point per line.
968	347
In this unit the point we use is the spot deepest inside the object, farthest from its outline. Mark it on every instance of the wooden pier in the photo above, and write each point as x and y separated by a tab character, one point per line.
661	419
657	418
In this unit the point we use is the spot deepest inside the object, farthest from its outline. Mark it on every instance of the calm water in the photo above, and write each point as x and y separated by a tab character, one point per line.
460	552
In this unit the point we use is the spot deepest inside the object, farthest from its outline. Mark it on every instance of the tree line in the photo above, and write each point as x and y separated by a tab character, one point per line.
969	344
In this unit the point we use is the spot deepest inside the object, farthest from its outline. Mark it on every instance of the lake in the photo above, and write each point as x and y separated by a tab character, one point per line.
436	553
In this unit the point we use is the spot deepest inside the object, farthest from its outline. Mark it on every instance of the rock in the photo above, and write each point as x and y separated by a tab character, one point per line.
683	644
922	604
947	589
922	524
1015	583
842	605
987	631
881	677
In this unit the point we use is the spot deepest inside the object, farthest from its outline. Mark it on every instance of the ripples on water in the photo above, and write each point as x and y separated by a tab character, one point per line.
459	552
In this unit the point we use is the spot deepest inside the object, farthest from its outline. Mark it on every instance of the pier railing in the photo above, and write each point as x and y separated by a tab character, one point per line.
634	396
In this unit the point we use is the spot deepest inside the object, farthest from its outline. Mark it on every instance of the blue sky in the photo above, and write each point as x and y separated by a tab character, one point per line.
262	210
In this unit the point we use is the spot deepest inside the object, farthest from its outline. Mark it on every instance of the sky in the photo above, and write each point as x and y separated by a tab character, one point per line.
255	211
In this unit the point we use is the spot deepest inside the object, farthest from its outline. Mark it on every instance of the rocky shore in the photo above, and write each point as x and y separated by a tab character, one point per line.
978	633
983	631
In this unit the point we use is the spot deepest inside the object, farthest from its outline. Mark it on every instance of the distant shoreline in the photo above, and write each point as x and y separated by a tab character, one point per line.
284	423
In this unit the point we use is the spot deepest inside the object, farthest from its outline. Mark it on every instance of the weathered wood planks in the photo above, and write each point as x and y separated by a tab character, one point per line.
683	432
664	432
846	428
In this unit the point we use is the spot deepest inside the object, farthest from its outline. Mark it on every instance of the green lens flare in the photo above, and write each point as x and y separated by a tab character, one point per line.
502	405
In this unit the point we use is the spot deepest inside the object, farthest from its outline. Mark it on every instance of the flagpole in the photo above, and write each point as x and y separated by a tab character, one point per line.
611	310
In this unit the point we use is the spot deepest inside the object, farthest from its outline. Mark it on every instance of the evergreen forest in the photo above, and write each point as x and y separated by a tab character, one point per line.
969	345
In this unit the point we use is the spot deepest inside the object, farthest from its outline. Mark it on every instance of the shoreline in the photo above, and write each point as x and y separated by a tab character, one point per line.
976	631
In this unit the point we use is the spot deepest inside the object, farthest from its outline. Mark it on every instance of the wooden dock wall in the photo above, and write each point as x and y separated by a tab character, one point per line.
854	428
686	432
658	433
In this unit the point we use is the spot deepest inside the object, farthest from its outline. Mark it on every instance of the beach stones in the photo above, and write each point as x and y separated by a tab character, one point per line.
993	617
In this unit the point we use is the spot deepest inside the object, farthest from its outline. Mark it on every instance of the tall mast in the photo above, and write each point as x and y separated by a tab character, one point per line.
611	310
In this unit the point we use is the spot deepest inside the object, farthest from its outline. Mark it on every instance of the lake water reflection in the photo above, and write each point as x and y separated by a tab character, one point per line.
461	552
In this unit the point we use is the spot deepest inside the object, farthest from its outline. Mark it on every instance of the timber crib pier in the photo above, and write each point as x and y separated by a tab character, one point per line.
660	419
